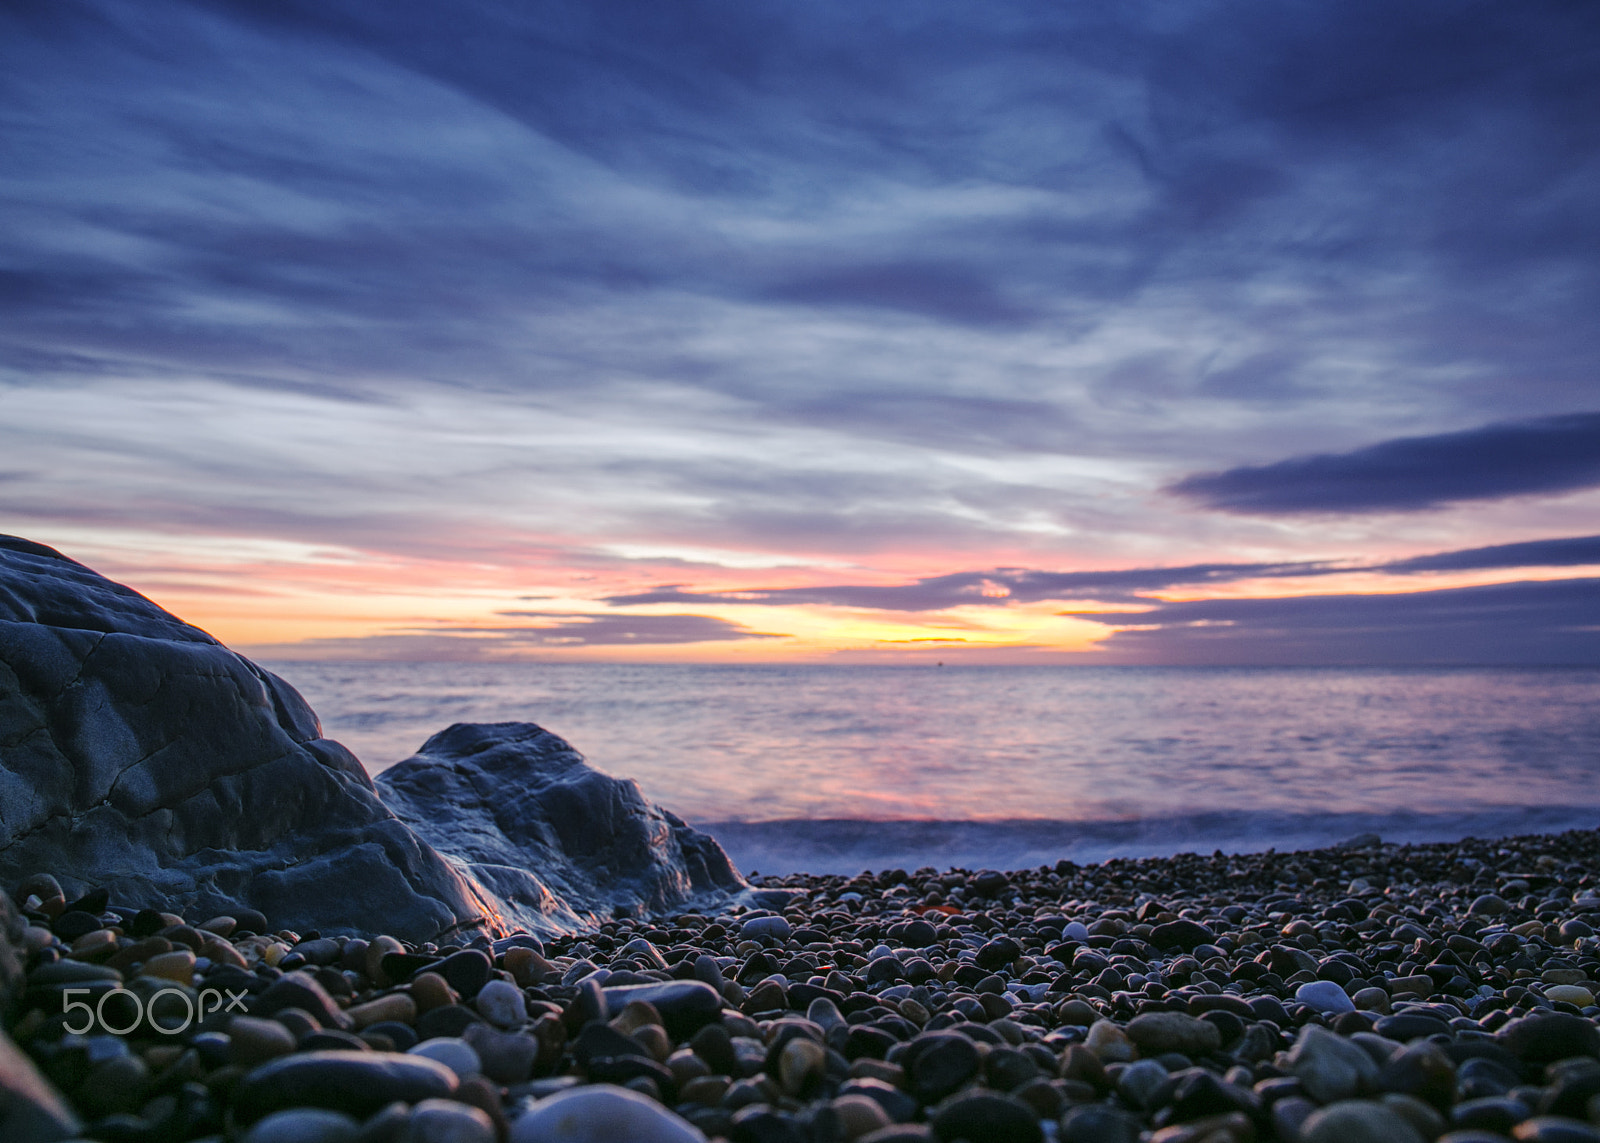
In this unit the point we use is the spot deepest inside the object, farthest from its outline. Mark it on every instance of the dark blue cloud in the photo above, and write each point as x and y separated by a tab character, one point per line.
1568	551
1554	622
1511	458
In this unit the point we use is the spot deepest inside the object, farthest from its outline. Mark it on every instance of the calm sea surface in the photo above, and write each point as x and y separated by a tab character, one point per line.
844	768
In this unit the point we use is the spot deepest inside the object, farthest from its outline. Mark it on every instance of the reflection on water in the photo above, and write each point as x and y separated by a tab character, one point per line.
985	743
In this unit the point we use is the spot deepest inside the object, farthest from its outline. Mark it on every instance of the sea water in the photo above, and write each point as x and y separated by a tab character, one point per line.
839	769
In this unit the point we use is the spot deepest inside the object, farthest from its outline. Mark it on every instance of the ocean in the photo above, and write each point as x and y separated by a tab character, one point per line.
839	769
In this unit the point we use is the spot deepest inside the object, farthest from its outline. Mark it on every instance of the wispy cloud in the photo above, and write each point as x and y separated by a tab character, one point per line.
1002	587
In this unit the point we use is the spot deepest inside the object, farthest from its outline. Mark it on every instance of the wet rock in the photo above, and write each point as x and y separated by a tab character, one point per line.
508	798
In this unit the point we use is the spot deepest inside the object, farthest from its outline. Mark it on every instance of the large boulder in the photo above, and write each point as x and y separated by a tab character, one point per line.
561	844
138	753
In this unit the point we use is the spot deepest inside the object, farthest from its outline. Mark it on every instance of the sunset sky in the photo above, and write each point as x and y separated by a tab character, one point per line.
999	331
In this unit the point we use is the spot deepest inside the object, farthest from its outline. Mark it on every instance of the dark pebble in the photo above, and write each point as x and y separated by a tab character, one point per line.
985	1117
466	971
358	1083
940	1064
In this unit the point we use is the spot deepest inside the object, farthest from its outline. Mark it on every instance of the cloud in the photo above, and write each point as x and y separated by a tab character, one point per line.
554	633
1508	458
798	280
564	629
998	587
1568	551
1552	622
1001	587
948	292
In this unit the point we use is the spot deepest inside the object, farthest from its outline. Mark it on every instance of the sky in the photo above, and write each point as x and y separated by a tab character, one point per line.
1164	331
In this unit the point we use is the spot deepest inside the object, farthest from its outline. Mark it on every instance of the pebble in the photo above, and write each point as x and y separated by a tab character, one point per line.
454	1053
253	1041
1571	994
1328	1066
502	1004
448	1121
304	1125
1358	1121
1159	1032
1325	996
1351	994
758	927
601	1113
396	1006
942	1063
1110	1043
358	1083
466	971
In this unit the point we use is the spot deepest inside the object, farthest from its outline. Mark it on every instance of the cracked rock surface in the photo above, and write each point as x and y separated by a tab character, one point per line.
562	845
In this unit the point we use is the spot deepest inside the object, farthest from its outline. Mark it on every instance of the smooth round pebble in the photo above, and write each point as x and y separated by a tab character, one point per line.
502	1004
602	1113
757	927
451	1051
1325	996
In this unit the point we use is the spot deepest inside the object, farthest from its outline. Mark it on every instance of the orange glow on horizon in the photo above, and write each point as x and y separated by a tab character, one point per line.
328	602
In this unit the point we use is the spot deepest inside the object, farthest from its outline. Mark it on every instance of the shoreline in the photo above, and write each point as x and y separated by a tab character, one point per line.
1372	990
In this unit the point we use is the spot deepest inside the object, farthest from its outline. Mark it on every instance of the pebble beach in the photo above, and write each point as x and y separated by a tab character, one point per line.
1364	992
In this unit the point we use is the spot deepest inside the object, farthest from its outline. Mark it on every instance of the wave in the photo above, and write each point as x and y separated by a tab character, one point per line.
848	846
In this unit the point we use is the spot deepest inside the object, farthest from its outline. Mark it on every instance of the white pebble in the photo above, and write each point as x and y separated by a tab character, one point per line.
1325	996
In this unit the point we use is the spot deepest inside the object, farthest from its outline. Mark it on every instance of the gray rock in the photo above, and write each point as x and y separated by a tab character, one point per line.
1330	1067
506	799
146	757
